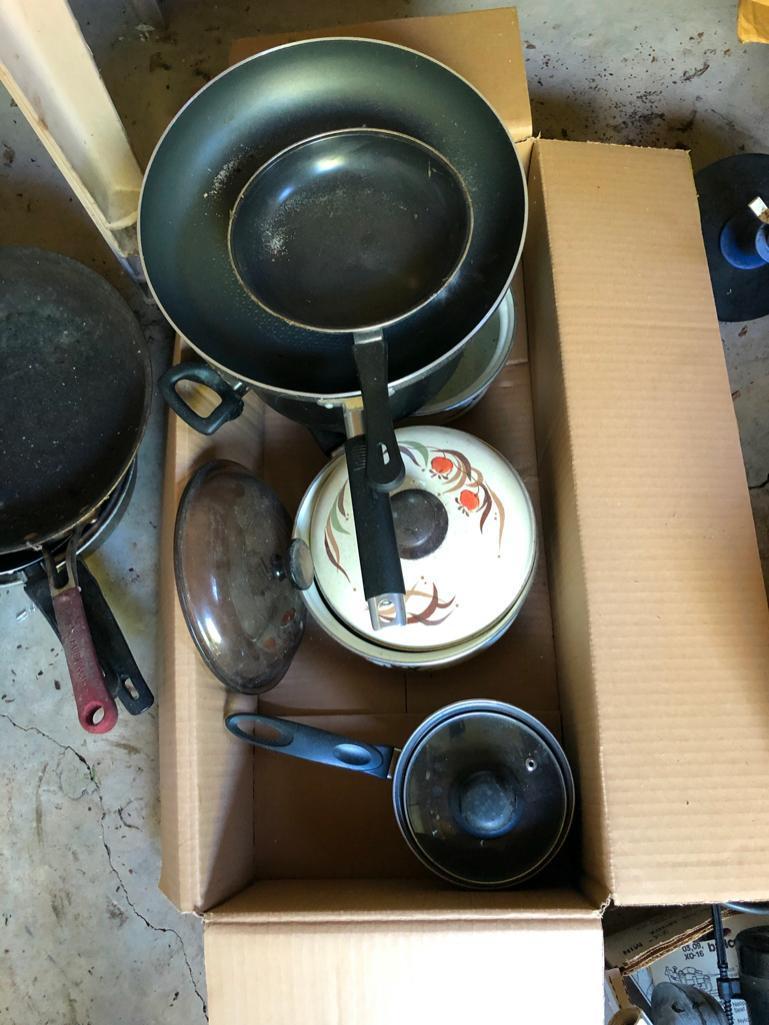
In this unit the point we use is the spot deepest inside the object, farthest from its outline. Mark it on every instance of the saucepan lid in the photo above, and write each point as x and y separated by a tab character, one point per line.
483	794
235	569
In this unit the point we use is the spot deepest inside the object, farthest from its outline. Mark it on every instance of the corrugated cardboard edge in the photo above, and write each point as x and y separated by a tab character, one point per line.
177	875
437	37
381	973
650	938
208	769
384	900
568	590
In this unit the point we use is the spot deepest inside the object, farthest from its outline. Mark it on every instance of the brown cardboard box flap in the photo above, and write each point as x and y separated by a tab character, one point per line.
348	972
660	615
367	901
496	68
206	778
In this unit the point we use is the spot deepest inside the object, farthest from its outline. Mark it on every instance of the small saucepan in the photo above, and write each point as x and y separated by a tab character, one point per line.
482	791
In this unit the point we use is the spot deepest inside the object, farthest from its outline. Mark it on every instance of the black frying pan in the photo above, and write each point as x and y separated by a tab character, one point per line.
245	117
273	104
350	232
74	399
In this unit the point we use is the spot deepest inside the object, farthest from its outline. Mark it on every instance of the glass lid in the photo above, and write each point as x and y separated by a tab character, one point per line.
232	548
485	797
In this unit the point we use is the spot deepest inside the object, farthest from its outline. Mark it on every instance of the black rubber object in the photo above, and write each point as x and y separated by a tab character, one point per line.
230	407
384	462
724	188
311	744
374	529
753	953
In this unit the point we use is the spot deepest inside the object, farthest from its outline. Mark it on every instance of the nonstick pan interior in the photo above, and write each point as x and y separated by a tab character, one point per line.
256	109
350	230
74	393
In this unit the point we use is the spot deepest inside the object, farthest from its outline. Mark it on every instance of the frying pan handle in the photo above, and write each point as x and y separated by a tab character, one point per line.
88	686
380	563
384	462
229	408
112	648
312	744
122	675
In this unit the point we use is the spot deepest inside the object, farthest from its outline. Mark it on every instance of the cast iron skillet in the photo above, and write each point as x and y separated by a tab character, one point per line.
74	399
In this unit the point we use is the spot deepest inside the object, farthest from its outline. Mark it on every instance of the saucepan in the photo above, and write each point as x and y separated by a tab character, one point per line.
328	223
482	791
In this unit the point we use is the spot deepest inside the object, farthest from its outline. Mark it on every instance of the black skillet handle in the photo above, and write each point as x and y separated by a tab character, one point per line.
117	662
229	408
112	650
380	562
311	744
384	463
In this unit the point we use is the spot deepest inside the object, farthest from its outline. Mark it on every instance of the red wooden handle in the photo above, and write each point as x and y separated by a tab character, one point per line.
93	700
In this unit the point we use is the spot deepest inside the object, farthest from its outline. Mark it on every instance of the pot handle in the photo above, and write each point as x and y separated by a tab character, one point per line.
116	658
312	744
380	563
229	408
88	684
122	675
384	462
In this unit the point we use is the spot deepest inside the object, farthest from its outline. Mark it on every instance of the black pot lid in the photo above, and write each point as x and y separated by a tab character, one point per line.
232	550
484	794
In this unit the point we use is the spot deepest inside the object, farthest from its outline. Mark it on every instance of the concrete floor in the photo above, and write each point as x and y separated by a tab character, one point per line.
86	935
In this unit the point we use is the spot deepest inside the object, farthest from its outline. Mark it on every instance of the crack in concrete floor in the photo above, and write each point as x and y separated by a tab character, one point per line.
94	779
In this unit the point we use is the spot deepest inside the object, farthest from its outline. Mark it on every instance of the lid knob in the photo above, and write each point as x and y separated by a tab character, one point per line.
421	522
485	802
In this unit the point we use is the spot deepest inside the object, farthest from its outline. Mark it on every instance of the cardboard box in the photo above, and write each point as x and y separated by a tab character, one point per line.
753	21
645	642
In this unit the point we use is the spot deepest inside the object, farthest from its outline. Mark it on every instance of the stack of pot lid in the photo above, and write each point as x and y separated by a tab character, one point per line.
466	535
